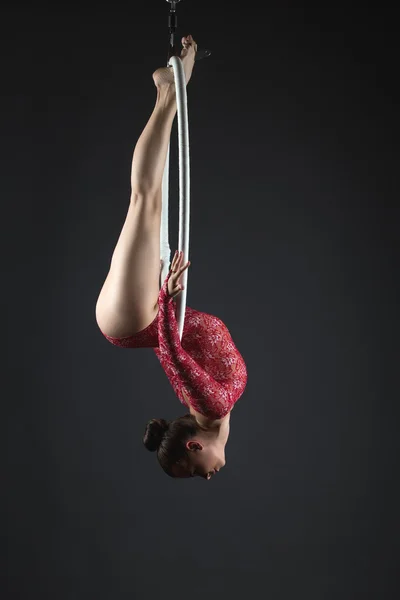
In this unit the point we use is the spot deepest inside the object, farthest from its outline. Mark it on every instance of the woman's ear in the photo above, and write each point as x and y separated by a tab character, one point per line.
190	445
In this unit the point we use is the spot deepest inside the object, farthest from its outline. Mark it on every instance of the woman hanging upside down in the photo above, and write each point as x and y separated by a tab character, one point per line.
206	371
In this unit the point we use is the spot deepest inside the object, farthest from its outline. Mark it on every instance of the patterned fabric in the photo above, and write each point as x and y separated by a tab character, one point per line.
206	366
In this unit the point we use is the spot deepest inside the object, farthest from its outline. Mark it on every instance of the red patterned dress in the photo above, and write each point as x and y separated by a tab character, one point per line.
207	365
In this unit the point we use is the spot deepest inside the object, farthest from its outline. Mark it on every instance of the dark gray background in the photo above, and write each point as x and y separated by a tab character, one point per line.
294	227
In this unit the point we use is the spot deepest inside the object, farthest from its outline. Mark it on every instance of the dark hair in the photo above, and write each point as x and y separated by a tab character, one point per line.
168	438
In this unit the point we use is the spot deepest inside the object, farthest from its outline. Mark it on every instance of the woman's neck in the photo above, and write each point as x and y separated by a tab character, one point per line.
217	428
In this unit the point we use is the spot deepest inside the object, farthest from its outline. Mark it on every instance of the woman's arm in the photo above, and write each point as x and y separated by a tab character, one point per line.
207	396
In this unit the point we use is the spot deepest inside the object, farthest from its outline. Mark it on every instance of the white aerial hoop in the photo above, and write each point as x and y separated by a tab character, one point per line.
184	170
184	192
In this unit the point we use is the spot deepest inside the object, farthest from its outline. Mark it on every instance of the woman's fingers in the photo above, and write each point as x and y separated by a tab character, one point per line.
178	274
174	285
178	269
183	268
177	262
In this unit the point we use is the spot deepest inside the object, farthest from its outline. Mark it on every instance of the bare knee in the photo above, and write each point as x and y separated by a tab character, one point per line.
147	199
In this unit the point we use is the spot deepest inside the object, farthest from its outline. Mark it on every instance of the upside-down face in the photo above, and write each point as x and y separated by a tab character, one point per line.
203	460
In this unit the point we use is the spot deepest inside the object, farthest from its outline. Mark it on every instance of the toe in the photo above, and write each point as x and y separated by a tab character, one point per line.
187	41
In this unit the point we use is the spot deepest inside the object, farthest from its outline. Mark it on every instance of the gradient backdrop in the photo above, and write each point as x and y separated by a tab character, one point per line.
294	233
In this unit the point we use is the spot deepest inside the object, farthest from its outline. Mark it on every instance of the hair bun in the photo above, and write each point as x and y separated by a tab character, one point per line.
155	430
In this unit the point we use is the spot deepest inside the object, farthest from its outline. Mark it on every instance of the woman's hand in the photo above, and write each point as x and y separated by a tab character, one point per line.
174	285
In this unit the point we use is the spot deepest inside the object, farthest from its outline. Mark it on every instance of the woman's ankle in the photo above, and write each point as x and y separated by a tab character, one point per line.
166	94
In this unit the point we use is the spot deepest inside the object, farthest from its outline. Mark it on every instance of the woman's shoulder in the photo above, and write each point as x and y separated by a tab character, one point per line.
202	420
205	318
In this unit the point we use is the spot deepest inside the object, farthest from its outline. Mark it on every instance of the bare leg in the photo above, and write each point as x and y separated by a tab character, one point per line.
128	300
151	149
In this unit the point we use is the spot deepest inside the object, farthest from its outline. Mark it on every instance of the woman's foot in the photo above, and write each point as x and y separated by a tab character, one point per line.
165	75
